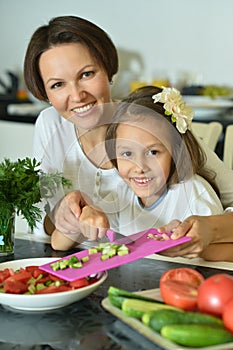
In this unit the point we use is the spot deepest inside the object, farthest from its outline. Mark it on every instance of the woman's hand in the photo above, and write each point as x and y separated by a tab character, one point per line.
93	223
196	227
65	215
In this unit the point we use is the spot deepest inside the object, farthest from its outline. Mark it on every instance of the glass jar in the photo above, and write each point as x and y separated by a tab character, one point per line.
7	234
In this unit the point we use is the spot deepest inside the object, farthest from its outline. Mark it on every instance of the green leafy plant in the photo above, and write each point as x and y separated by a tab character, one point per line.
22	185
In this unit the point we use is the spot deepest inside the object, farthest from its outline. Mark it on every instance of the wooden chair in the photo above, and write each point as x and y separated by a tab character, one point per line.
210	132
228	147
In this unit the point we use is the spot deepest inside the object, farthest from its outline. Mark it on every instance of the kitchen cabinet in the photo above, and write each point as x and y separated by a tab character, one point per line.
16	139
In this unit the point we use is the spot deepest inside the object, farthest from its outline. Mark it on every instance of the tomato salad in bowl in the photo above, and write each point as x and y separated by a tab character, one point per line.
25	287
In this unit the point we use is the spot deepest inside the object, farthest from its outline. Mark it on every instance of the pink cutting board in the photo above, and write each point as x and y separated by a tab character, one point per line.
141	247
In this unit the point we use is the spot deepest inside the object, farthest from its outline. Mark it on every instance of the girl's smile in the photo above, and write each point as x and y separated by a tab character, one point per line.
143	161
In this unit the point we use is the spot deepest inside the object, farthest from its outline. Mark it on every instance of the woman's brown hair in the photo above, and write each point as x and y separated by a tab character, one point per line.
188	157
63	30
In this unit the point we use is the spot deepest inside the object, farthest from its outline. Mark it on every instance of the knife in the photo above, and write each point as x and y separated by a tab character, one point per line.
142	246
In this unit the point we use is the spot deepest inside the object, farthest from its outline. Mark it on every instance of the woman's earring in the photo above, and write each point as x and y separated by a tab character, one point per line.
50	102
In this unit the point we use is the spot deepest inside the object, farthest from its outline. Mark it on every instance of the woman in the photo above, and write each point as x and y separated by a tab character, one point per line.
71	62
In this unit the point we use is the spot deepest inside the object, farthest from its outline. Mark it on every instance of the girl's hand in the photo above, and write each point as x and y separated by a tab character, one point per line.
168	228
93	223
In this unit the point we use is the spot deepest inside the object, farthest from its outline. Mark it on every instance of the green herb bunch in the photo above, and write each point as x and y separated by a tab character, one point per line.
22	185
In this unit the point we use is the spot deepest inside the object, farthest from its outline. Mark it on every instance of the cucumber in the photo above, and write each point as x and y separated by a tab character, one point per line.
136	308
117	296
196	335
116	300
160	318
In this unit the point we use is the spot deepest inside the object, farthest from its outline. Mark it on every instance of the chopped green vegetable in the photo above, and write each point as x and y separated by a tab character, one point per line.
107	250
85	259
77	265
92	251
104	257
55	266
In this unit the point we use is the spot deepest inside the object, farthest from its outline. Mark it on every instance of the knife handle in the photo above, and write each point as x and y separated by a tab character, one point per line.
111	235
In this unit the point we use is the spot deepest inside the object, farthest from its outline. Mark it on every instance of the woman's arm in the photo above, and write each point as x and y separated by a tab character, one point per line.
93	224
65	215
224	176
212	237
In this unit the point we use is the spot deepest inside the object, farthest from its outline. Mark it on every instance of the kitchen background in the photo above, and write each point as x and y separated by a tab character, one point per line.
173	39
182	41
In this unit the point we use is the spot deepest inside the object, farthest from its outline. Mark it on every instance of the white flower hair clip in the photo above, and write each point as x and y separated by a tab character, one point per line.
176	107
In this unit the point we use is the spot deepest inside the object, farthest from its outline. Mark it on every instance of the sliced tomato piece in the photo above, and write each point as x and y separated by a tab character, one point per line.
43	279
184	274
179	287
79	283
179	294
4	274
22	276
31	268
55	278
37	272
11	285
54	289
34	271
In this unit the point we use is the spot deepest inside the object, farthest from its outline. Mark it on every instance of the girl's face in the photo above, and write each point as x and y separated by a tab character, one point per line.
143	161
75	84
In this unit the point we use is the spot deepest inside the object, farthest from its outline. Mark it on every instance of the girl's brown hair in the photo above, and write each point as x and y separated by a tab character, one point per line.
63	30
188	157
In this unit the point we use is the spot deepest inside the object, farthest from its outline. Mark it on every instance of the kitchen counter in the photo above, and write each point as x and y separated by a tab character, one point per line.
18	118
83	325
21	111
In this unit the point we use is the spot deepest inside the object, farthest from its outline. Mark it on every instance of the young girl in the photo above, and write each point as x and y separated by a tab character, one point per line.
160	160
150	143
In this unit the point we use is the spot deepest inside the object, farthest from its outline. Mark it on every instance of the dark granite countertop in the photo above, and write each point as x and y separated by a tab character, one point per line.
83	325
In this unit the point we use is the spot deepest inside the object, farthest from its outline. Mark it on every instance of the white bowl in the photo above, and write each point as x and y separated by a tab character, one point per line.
41	302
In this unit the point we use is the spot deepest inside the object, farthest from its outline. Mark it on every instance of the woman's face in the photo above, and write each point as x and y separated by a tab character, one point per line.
75	84
143	161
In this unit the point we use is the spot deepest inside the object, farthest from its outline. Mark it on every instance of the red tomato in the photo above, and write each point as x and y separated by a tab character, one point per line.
37	272
214	293
31	268
55	278
22	276
179	287
4	274
184	274
227	315
11	285
81	282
